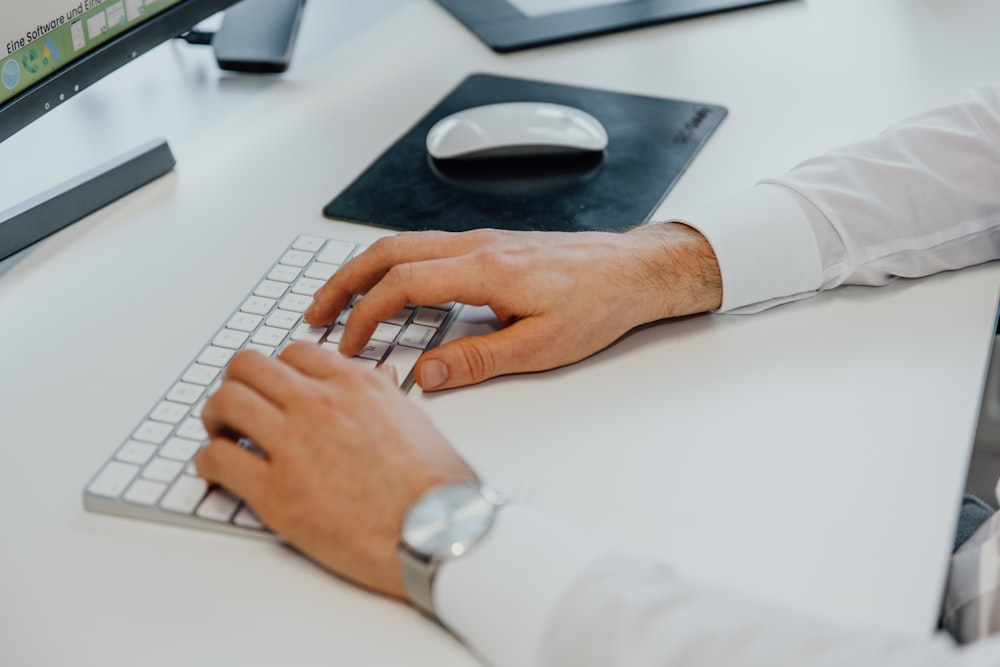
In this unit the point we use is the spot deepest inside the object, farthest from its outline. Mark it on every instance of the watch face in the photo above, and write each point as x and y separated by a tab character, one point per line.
447	520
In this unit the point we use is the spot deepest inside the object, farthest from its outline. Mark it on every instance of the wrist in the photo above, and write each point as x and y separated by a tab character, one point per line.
682	274
444	523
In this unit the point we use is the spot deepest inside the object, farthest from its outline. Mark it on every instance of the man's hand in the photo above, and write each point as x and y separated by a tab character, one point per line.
346	455
561	296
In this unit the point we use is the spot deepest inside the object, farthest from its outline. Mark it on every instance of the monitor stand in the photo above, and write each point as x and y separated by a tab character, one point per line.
47	213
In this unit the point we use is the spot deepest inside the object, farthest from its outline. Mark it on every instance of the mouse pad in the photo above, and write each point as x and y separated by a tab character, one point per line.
651	141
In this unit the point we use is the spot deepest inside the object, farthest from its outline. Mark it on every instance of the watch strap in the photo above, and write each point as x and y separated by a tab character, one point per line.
418	580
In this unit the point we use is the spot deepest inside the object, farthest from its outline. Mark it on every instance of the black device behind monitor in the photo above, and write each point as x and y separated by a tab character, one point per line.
504	27
258	35
65	47
651	141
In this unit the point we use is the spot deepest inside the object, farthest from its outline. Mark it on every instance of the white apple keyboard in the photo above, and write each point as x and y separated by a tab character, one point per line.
151	475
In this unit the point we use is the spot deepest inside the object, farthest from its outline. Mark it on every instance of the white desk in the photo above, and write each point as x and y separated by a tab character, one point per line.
812	454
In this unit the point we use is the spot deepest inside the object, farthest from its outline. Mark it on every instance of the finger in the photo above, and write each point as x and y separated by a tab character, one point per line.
237	410
367	269
390	372
224	462
311	360
523	347
465	279
275	381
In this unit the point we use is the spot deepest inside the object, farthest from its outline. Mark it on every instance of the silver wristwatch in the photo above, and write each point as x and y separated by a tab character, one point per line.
445	522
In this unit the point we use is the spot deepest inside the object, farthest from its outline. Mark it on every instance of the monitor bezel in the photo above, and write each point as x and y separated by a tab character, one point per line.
69	81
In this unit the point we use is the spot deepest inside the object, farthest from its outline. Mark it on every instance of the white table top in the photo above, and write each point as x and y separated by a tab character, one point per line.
813	454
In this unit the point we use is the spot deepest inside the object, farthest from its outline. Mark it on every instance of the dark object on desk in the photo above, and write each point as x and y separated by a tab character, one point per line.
504	28
74	200
651	142
258	35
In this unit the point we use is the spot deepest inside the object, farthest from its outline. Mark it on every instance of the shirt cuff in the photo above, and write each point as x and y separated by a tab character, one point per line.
765	245
498	597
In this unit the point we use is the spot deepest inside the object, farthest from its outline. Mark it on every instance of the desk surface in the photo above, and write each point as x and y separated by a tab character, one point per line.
812	454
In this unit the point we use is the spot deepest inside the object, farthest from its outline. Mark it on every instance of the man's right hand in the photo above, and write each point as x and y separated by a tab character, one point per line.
560	296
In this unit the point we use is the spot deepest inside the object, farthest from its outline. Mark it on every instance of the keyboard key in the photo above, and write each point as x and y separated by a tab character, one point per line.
400	318
270	289
145	492
258	305
335	334
308	333
154	432
230	338
184	496
162	470
296	302
168	412
296	258
335	252
266	350
269	336
192	429
430	317
244	321
417	336
374	350
135	452
284	274
218	505
200	374
183	392
307	286
247	518
113	479
308	243
216	356
283	319
321	271
180	449
386	332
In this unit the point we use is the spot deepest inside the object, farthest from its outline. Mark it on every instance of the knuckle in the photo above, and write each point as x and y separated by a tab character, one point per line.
207	461
399	274
383	245
479	360
490	260
219	401
238	364
487	236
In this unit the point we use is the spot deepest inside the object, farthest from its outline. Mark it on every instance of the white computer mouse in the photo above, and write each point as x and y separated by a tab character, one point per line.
515	129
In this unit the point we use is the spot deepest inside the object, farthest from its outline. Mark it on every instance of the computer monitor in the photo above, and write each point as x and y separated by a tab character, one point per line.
52	50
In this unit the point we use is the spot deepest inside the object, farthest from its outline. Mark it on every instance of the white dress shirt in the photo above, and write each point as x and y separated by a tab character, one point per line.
920	198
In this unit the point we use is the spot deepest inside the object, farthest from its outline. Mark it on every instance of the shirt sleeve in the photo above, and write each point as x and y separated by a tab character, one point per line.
535	593
628	612
922	197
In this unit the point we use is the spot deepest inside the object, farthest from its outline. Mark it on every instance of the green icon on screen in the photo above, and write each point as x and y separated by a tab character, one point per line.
30	61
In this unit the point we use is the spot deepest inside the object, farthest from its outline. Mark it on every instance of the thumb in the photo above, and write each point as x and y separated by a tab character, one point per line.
519	348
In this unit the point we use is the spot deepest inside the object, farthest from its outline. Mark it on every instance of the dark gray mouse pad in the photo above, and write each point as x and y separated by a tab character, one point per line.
651	141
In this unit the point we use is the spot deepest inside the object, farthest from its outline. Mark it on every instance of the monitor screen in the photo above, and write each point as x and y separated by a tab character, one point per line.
53	49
